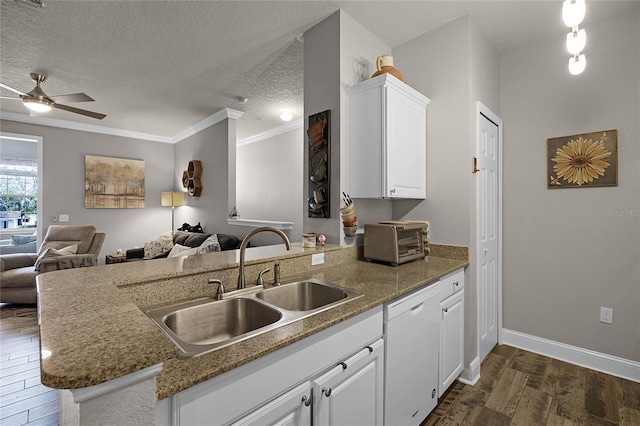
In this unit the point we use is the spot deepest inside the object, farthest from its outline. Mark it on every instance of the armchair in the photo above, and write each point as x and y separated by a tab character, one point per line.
17	270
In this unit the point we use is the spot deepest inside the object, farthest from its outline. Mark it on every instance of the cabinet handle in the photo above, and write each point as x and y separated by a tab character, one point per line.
326	391
392	191
344	366
445	310
456	284
306	401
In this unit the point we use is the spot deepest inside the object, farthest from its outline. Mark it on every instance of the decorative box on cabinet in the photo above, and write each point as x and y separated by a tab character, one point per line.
451	359
387	139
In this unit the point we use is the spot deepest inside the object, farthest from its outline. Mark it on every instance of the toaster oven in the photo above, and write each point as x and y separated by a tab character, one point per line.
395	242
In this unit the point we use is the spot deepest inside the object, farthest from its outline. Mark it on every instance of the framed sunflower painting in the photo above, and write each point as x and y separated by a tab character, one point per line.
584	160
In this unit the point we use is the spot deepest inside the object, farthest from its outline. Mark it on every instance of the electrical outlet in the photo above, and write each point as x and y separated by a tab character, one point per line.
54	218
64	218
606	315
317	259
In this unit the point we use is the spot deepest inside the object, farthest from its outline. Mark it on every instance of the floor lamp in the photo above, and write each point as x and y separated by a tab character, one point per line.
173	200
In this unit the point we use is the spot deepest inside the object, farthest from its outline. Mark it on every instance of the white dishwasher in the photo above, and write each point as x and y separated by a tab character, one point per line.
411	330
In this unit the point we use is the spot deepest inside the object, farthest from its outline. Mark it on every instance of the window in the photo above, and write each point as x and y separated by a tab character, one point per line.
18	191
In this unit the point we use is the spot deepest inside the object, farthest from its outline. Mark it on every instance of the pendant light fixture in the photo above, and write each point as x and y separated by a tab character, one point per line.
573	12
576	40
577	64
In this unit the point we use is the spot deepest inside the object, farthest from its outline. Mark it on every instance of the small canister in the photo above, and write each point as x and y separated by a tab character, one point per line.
308	240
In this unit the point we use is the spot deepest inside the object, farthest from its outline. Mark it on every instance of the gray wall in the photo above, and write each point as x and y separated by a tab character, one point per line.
215	148
565	253
338	52
455	66
269	179
62	182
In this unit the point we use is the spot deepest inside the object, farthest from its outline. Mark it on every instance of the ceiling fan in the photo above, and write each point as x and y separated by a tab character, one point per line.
38	101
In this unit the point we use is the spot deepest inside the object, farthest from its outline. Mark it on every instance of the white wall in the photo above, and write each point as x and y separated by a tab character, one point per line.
565	256
269	180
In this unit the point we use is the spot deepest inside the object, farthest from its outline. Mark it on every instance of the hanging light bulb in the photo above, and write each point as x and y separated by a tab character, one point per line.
576	40
577	64
573	12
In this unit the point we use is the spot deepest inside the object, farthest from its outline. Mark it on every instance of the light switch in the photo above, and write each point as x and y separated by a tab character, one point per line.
64	218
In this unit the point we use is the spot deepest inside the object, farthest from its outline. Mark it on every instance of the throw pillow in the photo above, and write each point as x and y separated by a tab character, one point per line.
23	239
179	250
158	245
209	245
51	252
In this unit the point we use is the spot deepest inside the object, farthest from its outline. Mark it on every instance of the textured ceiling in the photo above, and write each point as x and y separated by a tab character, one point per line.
160	67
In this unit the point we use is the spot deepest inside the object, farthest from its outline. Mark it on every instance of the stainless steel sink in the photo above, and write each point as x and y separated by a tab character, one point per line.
204	325
218	321
303	295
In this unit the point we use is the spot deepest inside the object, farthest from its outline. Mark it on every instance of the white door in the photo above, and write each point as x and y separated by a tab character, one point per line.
488	189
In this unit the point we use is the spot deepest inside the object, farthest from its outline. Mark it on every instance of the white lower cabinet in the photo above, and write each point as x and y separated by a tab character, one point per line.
282	388
351	393
451	359
291	409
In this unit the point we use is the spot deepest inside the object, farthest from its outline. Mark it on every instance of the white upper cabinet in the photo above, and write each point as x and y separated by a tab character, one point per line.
387	139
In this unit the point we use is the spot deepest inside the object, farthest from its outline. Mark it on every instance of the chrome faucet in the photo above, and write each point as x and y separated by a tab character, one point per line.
245	243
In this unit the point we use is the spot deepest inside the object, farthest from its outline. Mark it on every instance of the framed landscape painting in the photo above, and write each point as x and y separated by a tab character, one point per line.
113	183
583	160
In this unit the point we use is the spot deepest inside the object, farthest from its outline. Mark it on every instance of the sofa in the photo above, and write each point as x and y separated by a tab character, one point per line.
63	247
21	244
164	245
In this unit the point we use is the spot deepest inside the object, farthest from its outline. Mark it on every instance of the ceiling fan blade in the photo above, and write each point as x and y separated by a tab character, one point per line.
80	111
12	89
72	97
9	97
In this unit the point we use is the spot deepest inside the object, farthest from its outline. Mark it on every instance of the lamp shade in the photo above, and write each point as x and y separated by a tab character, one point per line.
172	199
577	64
576	40
573	12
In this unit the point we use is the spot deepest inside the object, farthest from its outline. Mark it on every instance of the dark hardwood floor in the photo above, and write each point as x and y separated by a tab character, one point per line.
516	387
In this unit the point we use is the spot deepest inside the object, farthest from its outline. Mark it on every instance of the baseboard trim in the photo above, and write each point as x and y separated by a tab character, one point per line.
604	363
471	374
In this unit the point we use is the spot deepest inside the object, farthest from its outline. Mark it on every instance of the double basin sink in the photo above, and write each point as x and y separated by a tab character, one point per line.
204	325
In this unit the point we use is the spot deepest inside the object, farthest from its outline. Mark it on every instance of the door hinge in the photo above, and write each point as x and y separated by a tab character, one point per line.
475	165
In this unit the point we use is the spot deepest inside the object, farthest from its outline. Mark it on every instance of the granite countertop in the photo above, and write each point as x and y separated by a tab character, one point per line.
92	330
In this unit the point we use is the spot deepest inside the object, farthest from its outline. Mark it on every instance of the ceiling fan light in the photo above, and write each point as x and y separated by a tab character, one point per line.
577	64
37	105
576	40
573	12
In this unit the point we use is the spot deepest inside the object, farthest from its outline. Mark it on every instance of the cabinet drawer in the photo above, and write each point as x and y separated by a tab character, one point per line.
451	284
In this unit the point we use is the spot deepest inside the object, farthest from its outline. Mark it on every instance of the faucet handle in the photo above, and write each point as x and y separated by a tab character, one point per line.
220	290
260	281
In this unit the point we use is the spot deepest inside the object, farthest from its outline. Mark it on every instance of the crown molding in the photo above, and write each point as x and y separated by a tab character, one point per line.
92	128
112	131
287	127
223	114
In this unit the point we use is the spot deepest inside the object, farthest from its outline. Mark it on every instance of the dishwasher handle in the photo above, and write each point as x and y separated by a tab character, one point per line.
416	309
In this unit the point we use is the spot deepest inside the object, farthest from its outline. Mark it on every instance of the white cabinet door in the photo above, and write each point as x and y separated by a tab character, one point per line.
406	147
291	409
387	139
352	392
451	340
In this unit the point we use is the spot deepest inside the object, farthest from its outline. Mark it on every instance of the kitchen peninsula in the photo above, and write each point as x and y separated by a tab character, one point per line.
96	339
